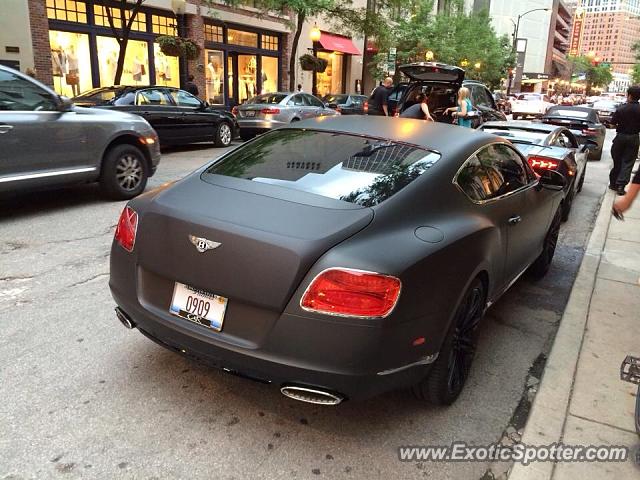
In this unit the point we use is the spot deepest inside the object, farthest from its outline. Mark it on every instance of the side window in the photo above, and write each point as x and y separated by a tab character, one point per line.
475	181
152	97
313	101
184	99
18	94
296	100
126	99
480	97
506	164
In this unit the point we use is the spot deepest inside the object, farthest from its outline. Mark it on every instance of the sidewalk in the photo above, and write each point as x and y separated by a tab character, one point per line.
582	400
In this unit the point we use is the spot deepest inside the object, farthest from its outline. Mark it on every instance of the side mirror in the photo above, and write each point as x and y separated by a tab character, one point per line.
64	104
552	180
204	105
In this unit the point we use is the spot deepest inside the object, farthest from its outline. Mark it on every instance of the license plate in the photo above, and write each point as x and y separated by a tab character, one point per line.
250	113
198	306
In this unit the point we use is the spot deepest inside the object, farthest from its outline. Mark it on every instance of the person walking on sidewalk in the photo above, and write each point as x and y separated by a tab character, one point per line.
191	87
378	102
627	141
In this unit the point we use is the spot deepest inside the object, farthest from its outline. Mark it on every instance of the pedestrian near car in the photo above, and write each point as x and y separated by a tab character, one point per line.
626	143
191	87
378	102
623	203
419	110
462	111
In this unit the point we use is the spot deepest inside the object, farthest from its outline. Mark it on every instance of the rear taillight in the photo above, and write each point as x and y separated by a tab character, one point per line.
270	111
127	228
352	293
234	111
365	107
396	112
590	132
339	109
538	162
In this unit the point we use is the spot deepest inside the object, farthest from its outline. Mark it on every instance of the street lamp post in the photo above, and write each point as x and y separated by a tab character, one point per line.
515	39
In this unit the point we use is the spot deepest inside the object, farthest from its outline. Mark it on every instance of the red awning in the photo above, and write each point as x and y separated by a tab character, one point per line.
338	44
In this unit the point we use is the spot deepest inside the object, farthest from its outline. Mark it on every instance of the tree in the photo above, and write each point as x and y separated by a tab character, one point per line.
126	18
596	75
457	38
635	74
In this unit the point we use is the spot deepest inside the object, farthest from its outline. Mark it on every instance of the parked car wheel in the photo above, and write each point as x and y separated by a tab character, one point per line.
124	172
224	135
595	154
450	371
566	206
540	267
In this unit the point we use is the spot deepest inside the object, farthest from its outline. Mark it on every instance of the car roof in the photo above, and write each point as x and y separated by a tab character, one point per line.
449	140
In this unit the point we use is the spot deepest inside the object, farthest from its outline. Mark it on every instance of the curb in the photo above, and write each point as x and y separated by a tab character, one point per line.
549	412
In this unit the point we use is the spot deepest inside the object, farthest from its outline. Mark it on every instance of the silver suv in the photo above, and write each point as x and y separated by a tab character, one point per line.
47	141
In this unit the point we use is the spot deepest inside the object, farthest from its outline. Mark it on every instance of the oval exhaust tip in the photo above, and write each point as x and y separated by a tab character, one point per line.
124	319
311	395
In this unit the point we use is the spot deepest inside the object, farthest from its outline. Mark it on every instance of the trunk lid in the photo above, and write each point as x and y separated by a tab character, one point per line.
268	244
434	72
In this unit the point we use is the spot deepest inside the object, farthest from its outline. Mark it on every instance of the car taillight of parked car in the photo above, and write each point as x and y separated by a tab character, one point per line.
127	228
270	111
590	132
365	107
352	293
538	162
234	111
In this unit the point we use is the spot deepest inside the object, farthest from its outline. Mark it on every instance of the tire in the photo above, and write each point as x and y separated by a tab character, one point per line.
224	135
295	120
244	136
566	207
596	155
450	371
581	181
540	267
124	172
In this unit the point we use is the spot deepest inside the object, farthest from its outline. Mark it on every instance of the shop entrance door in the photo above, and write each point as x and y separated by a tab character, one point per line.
242	73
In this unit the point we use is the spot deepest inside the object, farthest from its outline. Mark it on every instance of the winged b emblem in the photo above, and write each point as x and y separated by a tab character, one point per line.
202	244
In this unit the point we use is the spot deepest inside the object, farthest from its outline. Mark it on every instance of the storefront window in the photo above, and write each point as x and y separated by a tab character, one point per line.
269	74
101	18
68	10
162	25
247	79
70	62
230	76
246	39
167	68
136	62
269	42
214	74
330	81
213	33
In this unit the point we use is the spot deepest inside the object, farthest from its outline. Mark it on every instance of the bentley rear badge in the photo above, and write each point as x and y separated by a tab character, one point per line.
202	244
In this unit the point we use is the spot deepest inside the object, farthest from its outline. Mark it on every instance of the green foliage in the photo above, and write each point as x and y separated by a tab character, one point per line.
178	47
455	37
312	63
635	74
595	75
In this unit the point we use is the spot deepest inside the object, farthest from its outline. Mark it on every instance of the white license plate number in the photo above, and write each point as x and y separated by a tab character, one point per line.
250	113
198	306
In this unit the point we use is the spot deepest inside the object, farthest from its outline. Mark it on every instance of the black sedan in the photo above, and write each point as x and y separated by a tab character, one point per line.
548	147
177	116
345	256
347	104
583	123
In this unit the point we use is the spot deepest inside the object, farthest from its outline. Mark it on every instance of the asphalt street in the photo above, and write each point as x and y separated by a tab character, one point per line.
82	397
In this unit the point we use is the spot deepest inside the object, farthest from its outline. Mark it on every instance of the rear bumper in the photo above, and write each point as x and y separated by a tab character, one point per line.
259	124
266	364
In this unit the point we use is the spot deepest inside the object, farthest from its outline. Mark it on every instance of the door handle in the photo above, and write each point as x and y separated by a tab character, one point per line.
6	128
516	219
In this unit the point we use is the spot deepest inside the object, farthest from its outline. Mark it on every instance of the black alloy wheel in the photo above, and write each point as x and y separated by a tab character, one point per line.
451	370
540	266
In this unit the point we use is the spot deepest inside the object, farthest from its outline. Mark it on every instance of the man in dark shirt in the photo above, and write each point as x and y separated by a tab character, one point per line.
627	141
190	86
379	97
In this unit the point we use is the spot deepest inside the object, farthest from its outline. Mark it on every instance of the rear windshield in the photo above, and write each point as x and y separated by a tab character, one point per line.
100	96
568	113
268	98
360	170
531	97
336	98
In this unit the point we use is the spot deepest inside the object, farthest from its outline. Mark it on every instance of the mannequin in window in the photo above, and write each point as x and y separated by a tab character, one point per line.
213	77
73	77
138	69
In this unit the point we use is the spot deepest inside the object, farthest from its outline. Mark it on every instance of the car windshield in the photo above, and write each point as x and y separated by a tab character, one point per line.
268	98
335	98
360	170
518	136
531	96
100	95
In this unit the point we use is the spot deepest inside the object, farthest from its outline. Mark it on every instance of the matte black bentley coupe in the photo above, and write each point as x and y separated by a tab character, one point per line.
338	258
